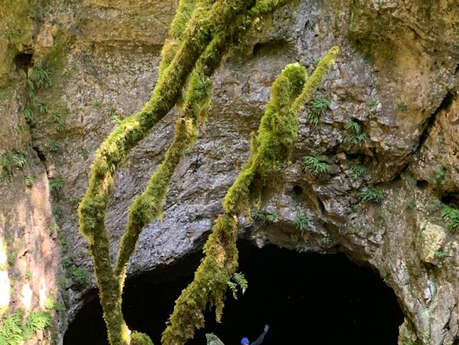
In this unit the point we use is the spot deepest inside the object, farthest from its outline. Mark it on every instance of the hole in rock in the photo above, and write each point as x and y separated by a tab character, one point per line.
297	190
423	184
23	61
305	298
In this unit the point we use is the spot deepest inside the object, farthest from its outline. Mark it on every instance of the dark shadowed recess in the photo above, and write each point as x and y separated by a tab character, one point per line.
305	298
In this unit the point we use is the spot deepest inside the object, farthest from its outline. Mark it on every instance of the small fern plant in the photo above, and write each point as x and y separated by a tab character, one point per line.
373	195
355	134
451	214
263	216
238	280
318	108
314	165
301	221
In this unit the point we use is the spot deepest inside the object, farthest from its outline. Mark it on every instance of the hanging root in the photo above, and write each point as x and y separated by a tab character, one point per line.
199	36
270	149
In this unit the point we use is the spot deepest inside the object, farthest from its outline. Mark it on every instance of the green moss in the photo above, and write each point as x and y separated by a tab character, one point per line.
269	150
201	33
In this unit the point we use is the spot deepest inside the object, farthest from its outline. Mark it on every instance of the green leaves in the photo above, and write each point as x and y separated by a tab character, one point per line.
317	108
314	165
451	214
240	281
11	162
301	221
373	195
355	134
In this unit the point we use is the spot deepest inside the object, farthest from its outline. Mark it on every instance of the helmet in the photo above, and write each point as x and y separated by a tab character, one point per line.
245	341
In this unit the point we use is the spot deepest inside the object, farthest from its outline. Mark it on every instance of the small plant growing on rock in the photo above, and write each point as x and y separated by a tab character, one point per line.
402	106
440	176
373	195
238	280
451	214
411	204
53	145
301	221
441	256
355	134
28	113
264	217
314	165
56	184
39	78
9	163
79	275
318	108
358	171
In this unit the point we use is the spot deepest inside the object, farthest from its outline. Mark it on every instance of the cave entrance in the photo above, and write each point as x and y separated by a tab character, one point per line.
305	298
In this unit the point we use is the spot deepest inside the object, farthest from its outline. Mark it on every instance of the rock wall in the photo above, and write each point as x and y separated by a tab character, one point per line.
396	80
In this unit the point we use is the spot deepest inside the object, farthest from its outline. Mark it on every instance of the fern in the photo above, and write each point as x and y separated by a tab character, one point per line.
451	214
240	281
40	77
10	162
314	165
264	217
301	221
56	184
373	195
318	108
358	171
356	135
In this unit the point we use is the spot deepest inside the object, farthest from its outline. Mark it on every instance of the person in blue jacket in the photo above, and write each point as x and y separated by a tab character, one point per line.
245	341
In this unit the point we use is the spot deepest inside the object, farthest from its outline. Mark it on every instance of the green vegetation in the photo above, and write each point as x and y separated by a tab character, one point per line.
358	171
441	256
411	204
263	216
373	106
16	329
39	78
29	180
314	165
53	145
60	124
440	176
355	134
373	195
80	275
317	108
200	35
28	113
238	280
451	214
56	184
402	106
301	221
9	163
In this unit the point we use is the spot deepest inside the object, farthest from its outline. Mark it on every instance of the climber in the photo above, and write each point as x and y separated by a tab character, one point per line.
212	339
245	341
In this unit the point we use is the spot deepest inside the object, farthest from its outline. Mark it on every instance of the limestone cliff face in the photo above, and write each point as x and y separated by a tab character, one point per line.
396	78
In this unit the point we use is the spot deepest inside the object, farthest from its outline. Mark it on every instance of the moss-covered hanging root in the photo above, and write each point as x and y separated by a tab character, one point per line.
270	149
201	32
207	18
147	206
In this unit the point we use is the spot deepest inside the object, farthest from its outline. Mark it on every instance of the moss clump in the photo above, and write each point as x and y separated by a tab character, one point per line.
269	150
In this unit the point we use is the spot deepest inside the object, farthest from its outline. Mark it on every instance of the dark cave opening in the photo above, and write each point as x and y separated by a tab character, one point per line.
305	298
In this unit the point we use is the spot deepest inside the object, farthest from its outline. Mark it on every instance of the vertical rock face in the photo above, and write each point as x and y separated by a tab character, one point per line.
388	135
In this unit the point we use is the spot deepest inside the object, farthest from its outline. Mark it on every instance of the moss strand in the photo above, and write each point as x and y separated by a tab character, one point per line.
270	149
